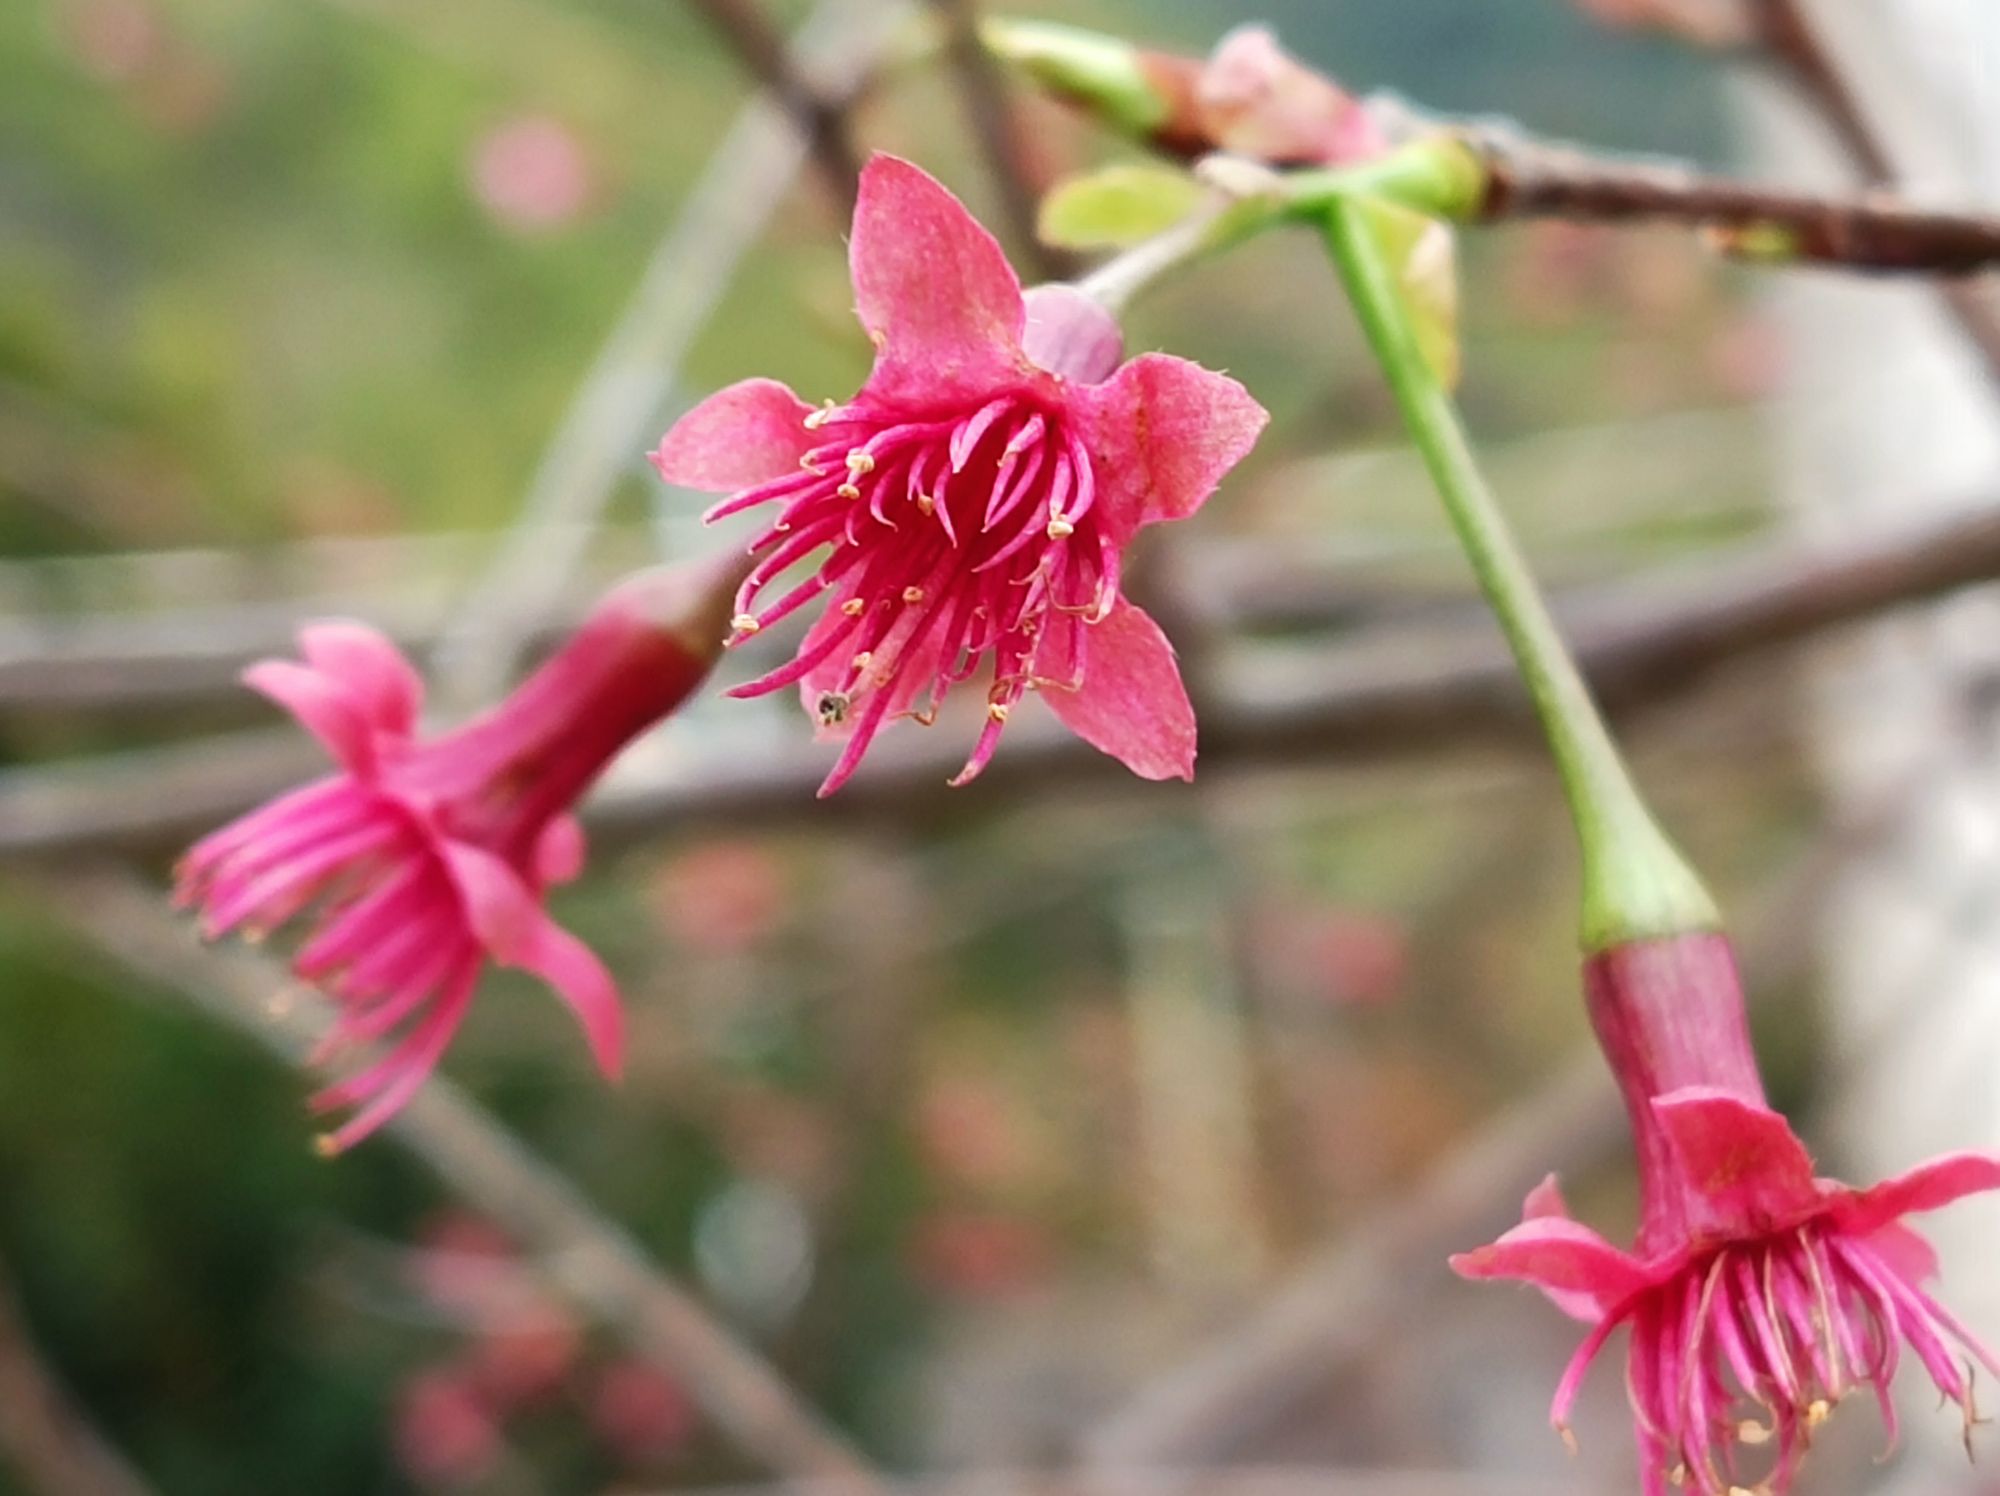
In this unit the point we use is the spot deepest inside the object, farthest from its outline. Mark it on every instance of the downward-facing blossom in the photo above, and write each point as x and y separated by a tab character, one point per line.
1758	1295
420	860
966	513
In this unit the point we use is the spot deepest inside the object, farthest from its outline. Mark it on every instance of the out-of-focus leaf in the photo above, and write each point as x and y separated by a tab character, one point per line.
1425	257
1116	207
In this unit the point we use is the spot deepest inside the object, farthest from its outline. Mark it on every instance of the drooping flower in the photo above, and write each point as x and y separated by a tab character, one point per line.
419	861
971	505
1757	1295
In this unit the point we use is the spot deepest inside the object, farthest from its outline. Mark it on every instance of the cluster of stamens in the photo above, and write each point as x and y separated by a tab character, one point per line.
1758	1344
953	540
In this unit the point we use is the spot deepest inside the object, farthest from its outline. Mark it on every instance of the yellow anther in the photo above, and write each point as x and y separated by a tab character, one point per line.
927	504
997	710
1061	529
863	660
859	463
1753	1433
745	623
325	1146
848	491
1817	1412
818	418
913	594
810	466
854	607
1568	1438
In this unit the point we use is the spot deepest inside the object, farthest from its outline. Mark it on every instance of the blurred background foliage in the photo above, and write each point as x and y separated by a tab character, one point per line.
331	268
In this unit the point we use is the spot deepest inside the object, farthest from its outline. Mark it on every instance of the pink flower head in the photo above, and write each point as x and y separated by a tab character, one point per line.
1758	1295
419	861
972	503
1255	99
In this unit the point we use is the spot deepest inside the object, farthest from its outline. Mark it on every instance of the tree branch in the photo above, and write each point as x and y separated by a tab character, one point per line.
1395	690
1534	179
588	1259
996	126
820	114
1791	38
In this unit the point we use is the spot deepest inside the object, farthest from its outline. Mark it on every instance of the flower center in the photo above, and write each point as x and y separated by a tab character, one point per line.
953	542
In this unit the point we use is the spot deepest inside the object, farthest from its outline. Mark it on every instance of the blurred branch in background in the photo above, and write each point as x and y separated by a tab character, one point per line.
795	76
1398	688
45	1440
1216	1403
606	426
1242	1480
1792	39
586	1258
996	123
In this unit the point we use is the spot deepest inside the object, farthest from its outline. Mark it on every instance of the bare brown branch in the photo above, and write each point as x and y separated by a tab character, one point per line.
1876	231
997	127
1394	690
1791	38
585	1257
821	117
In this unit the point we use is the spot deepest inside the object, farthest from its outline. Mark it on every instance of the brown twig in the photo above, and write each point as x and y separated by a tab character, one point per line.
1533	179
1247	1480
821	117
1396	690
1791	38
44	1437
996	126
587	1258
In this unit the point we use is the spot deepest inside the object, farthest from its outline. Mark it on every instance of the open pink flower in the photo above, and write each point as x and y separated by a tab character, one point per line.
1758	1295
420	861
971	505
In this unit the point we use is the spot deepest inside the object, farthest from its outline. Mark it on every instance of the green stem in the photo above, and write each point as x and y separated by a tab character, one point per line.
1635	884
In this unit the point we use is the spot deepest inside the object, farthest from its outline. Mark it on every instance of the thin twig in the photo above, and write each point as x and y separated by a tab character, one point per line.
45	1438
605	427
1394	690
996	126
587	1258
817	111
1534	179
1793	40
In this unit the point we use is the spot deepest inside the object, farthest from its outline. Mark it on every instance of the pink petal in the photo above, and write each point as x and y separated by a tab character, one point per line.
934	292
385	685
1545	1199
1744	1168
1926	1187
509	920
1131	703
1907	1254
1558	1256
1161	433
739	437
324	707
559	852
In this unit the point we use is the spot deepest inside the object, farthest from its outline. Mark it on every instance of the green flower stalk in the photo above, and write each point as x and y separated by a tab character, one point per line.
1636	885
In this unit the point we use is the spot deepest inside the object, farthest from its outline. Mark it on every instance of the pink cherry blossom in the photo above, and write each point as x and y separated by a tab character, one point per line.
970	507
421	860
1758	1295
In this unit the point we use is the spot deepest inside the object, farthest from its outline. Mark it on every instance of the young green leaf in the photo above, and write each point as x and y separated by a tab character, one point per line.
1116	207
